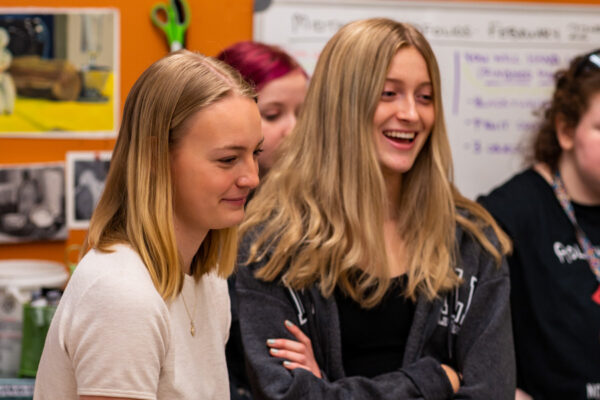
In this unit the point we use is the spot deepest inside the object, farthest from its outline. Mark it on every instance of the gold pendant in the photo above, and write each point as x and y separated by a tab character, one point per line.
192	328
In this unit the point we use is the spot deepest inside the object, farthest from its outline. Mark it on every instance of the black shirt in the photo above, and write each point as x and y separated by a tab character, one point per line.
373	340
556	324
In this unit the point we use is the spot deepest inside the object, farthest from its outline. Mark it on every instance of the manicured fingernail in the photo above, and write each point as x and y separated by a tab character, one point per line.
287	363
274	351
270	342
288	323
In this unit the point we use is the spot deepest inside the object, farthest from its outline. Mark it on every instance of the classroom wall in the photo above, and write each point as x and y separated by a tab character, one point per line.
497	64
215	25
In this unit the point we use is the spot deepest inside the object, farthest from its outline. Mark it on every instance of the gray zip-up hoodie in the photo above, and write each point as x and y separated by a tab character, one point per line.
475	339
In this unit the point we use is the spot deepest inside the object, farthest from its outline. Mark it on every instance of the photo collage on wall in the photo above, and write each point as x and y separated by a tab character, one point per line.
42	201
59	79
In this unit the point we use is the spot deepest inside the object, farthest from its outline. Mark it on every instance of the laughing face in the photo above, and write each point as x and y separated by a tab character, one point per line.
405	114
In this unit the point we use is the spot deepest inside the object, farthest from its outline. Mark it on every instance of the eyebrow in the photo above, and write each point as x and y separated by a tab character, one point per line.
401	81
238	147
273	103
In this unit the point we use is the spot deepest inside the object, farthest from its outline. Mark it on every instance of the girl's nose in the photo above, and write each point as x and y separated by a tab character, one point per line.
249	176
290	123
407	109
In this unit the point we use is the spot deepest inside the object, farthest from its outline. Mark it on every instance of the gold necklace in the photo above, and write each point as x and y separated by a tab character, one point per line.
192	326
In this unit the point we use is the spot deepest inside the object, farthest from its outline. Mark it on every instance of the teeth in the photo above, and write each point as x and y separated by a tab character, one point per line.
400	135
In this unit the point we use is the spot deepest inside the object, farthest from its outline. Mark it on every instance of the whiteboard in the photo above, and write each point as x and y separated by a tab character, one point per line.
497	62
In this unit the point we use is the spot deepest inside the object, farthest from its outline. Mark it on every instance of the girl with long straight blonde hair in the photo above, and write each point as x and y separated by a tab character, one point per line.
146	312
396	284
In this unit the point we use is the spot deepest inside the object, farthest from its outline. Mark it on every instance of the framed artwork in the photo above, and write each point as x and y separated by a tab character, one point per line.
86	174
59	72
32	203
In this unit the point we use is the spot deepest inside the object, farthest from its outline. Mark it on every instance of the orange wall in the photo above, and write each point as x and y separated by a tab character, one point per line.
568	2
215	24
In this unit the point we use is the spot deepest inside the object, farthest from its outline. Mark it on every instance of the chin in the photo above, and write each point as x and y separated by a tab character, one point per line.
229	221
397	168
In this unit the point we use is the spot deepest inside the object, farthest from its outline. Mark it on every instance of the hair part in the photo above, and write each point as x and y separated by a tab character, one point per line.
333	231
259	63
136	206
574	88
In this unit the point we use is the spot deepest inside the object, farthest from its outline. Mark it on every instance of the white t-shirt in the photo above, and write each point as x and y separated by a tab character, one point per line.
113	335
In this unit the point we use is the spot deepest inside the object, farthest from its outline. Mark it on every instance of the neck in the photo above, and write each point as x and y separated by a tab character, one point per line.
393	184
188	244
578	188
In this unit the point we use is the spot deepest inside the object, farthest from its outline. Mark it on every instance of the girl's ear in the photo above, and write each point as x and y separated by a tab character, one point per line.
564	134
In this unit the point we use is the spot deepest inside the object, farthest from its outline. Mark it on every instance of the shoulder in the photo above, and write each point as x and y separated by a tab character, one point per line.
249	237
516	185
114	278
214	286
245	278
110	298
473	258
516	191
262	254
120	258
213	282
516	199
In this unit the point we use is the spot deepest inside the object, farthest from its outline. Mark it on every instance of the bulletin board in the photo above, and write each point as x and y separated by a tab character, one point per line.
497	62
214	26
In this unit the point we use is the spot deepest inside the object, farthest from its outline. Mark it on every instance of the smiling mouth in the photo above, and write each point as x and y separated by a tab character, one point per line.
236	200
400	136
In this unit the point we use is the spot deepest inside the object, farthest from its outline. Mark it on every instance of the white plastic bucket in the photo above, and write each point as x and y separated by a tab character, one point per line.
18	280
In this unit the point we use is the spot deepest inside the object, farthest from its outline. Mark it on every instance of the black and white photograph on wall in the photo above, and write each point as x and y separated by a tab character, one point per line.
32	203
86	174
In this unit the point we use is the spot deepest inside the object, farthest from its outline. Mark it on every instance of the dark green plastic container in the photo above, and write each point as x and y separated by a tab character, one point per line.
36	321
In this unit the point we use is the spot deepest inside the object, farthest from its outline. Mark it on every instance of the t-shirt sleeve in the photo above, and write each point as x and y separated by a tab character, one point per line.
117	339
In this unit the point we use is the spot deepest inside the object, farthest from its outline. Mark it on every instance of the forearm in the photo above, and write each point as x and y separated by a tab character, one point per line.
425	379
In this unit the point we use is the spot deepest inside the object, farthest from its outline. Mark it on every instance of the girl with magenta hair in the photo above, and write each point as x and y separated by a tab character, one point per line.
281	85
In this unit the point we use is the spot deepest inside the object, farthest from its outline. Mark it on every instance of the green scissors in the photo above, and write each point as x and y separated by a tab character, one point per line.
175	26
